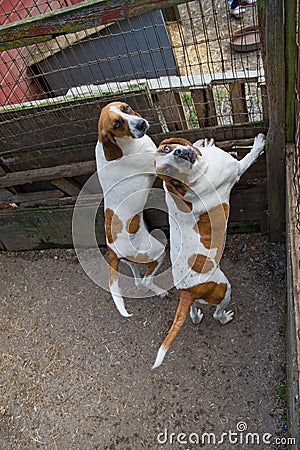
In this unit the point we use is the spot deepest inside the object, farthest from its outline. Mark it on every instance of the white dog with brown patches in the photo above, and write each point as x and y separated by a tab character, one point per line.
198	182
125	166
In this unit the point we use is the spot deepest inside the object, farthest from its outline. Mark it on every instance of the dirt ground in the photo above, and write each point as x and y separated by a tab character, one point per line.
74	374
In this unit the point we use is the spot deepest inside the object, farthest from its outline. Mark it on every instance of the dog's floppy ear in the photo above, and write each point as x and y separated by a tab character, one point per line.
111	149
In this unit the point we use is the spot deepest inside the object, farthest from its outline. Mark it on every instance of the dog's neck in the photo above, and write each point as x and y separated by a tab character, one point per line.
132	145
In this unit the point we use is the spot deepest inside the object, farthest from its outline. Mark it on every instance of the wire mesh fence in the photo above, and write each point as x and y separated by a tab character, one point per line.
182	60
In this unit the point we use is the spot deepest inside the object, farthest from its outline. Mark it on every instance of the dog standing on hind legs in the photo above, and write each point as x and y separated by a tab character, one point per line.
125	166
198	181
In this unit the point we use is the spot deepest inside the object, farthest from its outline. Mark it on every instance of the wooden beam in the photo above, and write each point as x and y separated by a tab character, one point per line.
4	193
293	306
205	106
172	109
2	172
290	66
238	102
264	101
45	226
271	17
89	14
68	186
35	196
49	173
225	133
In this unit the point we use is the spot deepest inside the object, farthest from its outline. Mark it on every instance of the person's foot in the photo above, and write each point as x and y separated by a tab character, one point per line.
237	12
248	2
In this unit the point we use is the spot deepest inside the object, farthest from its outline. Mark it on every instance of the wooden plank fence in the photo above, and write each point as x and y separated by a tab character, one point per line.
293	305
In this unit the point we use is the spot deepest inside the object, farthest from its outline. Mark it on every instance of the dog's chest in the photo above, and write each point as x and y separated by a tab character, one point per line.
132	173
196	242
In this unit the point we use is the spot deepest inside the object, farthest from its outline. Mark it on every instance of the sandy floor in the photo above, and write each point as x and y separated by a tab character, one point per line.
74	374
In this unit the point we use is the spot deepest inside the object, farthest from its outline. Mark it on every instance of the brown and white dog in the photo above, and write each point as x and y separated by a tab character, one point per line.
125	166
197	183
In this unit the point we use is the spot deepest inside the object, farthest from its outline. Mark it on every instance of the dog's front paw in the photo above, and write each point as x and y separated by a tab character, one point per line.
259	144
209	142
199	143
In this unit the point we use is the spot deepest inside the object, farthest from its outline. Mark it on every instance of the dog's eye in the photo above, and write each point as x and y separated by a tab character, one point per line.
127	109
166	149
118	123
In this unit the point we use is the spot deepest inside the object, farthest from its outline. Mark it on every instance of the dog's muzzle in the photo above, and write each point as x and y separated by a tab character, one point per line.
186	153
140	128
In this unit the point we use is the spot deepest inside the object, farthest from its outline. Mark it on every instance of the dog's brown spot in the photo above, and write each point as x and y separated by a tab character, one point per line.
179	189
113	261
142	258
211	227
200	263
210	292
113	225
151	266
133	224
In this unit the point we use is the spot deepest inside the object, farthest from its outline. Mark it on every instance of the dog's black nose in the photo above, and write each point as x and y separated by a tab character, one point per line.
186	153
141	125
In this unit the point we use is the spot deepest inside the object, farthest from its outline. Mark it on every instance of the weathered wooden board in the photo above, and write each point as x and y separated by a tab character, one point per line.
225	133
264	102
172	110
42	227
67	185
272	28
48	173
238	102
89	14
24	156
293	305
32	196
205	106
47	223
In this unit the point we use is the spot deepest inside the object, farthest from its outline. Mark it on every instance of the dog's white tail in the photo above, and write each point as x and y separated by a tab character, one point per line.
160	356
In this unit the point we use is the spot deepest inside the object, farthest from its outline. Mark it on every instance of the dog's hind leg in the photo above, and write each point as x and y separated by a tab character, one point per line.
147	281
220	314
114	283
186	301
135	271
195	313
